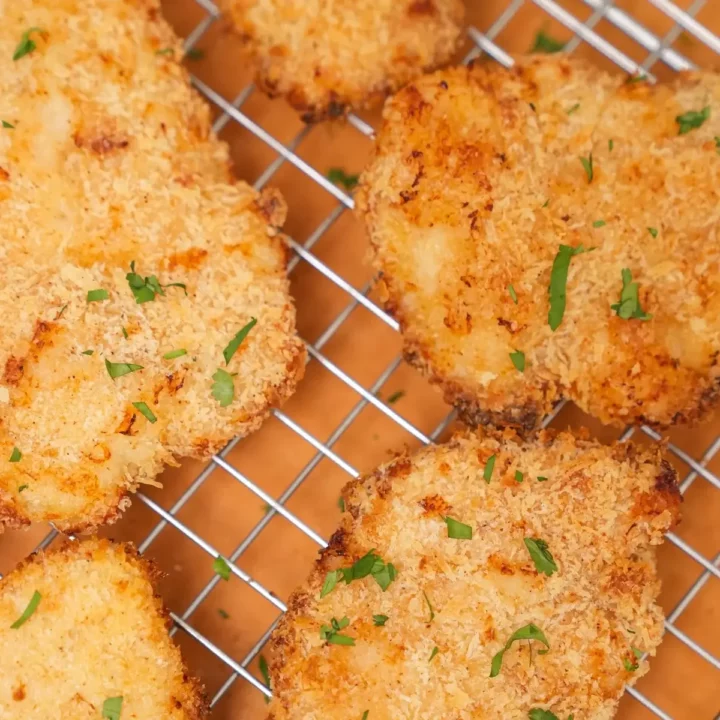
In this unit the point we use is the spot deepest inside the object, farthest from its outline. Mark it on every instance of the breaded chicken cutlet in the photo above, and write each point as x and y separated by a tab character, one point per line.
552	231
327	56
485	578
146	306
85	636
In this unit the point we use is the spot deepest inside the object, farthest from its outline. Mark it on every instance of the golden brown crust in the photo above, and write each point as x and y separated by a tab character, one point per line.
98	601
601	510
476	181
112	164
328	56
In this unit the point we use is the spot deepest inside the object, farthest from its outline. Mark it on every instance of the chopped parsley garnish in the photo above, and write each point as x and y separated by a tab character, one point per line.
175	354
518	360
541	556
541	478
262	664
23	487
539	714
87	352
194	54
573	109
165	51
223	389
116	370
338	176
397	395
430	607
331	633
611	144
341	504
546	203
365	715
632	666
124	332
693	119
97	295
653	231
546	44
599	223
26	44
457	530
6	124
15	455
221	567
587	163
379	620
235	343
629	305
513	294
519	477
146	411
528	632
224	614
29	610
558	283
112	708
146	288
434	652
636	79
717	143
370	564
489	467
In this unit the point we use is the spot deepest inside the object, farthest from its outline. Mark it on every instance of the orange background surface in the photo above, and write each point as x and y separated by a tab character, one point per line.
223	512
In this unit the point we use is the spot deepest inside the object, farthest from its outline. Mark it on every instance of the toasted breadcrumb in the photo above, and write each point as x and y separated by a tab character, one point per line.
98	632
111	161
327	56
476	181
600	511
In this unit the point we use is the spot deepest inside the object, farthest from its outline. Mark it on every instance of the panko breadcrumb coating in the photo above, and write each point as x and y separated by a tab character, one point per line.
424	647
110	165
327	56
482	174
97	633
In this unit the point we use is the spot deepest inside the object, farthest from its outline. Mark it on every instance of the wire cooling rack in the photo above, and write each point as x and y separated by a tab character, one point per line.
485	41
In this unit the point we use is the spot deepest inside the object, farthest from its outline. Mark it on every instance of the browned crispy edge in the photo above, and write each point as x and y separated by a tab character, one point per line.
665	495
200	707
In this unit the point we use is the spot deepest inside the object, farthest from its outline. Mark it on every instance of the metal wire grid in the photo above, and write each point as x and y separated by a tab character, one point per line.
231	111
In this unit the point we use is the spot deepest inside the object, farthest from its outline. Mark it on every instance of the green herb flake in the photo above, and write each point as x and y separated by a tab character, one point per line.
546	44
558	283
693	119
518	360
573	109
538	714
23	487
519	477
235	343
145	289
379	620
165	51
28	611
221	567
653	231
430	607
15	455
513	294
341	504
587	163
629	306
717	144
97	295
116	370
331	580
541	556
611	144
175	354
112	708
262	664
124	332
630	666
337	176
331	633
541	478
26	44
434	652
489	467
397	395
6	124
457	530
546	203
370	564
146	411
194	54
88	352
642	77
224	614
599	224
365	715
527	632
223	389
